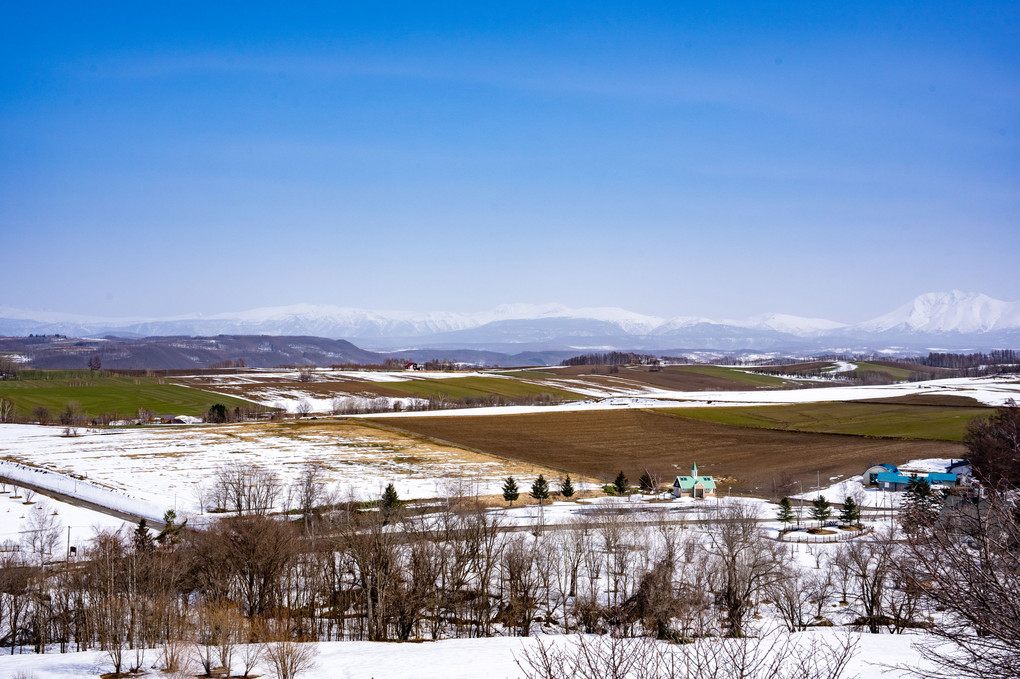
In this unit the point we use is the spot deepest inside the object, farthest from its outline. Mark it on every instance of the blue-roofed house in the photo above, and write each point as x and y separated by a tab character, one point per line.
694	485
901	481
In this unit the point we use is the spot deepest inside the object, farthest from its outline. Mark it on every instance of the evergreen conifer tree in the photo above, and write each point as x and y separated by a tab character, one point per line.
620	484
785	511
851	513
567	488
821	510
510	491
390	503
645	483
142	539
171	534
921	506
540	489
390	499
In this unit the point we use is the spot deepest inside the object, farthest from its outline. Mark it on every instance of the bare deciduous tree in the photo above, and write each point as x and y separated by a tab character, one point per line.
7	410
245	489
772	656
310	491
290	659
869	563
42	534
745	560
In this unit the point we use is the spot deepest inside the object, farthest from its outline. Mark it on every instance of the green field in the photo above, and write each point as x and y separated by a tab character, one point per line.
894	372
101	393
944	423
527	373
477	387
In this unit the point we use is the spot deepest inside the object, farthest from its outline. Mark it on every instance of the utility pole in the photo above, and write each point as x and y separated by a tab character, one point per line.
800	496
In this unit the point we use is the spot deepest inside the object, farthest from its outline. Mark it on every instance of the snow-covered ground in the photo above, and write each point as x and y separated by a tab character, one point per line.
637	508
488	658
146	470
78	523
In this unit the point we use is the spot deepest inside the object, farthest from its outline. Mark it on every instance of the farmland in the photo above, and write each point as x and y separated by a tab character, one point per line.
472	387
853	417
601	443
555	384
670	377
98	393
867	371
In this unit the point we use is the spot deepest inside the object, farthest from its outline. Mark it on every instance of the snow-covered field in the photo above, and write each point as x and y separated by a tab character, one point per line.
276	388
147	470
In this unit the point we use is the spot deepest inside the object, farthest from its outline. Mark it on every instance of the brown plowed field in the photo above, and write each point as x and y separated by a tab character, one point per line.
682	377
601	443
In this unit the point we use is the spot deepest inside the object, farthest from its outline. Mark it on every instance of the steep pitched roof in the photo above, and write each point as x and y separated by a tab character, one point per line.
689	482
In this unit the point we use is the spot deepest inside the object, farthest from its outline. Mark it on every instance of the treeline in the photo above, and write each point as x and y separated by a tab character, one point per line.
360	405
620	358
72	415
392	364
1000	360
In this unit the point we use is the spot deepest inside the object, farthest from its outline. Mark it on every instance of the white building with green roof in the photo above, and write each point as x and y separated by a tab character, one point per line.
694	485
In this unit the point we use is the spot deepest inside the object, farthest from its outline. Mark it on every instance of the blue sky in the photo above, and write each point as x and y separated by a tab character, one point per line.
819	159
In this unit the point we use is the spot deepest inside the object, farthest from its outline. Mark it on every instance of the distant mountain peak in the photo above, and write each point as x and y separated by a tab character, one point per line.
791	325
949	312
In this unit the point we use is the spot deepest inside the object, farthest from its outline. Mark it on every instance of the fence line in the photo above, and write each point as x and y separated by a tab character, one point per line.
839	536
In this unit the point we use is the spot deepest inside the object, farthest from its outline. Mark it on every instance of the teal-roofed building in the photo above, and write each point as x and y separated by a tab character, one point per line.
694	485
889	477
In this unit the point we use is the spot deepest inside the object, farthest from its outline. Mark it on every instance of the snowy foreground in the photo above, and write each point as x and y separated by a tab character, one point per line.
490	658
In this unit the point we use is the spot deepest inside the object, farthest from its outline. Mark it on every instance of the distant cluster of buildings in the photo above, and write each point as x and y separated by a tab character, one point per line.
882	476
890	477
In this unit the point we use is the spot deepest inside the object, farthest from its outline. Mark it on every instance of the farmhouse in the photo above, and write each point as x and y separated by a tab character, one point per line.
889	477
694	486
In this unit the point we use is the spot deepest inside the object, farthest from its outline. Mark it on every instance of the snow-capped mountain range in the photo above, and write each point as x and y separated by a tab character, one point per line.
935	320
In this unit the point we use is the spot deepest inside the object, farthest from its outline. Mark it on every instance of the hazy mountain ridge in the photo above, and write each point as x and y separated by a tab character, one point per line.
952	320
